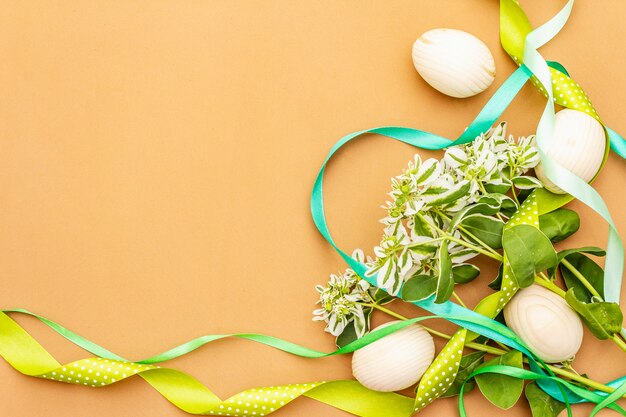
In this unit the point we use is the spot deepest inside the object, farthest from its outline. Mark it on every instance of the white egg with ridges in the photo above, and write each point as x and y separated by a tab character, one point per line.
454	62
545	322
394	362
578	144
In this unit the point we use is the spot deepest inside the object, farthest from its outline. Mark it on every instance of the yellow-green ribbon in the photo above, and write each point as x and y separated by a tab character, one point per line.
26	355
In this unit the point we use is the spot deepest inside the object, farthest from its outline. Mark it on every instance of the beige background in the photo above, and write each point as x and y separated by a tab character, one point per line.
156	161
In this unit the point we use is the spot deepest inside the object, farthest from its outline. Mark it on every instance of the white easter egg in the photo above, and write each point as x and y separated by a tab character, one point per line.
454	62
578	144
545	322
394	362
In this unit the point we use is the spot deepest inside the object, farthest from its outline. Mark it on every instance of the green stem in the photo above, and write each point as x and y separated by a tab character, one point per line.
619	342
438	239
499	352
448	236
551	286
385	310
461	242
581	278
456	296
470	234
513	193
578	378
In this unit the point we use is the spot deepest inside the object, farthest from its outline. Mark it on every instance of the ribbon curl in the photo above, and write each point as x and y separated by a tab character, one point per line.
27	356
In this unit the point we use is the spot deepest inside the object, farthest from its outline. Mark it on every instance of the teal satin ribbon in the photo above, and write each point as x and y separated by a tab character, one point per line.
563	178
338	400
473	321
486	118
559	175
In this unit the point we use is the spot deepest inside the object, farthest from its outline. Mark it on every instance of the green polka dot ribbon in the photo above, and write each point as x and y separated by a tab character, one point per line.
440	375
22	352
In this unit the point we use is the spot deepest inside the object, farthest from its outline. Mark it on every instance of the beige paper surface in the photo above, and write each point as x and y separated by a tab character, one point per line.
157	157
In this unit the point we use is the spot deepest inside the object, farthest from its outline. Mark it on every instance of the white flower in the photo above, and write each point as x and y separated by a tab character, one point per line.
522	154
342	301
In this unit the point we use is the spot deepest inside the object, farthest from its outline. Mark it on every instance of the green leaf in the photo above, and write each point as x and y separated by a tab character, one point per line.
460	254
603	319
509	207
463	273
591	250
529	252
362	322
592	272
452	195
427	170
559	224
503	391
526	183
487	229
497	200
445	282
421	227
469	363
541	404
496	284
423	249
347	336
381	297
419	287
478	208
497	188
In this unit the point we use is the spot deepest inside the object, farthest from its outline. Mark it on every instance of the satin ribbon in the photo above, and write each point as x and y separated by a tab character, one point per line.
487	117
26	355
516	22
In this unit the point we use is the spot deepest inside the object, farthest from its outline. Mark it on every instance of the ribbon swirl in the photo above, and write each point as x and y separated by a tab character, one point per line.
20	350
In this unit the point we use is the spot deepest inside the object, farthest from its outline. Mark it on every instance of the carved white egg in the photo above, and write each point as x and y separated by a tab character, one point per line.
545	322
578	144
454	62
394	362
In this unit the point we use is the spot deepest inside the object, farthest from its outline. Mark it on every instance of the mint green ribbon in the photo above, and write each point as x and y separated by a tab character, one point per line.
487	117
19	349
563	178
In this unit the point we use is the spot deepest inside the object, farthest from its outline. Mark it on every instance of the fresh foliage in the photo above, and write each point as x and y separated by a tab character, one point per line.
346	300
447	206
603	319
502	391
591	272
477	200
469	363
529	251
541	404
559	224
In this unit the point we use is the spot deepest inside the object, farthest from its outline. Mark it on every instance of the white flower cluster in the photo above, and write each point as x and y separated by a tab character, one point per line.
429	193
343	300
429	203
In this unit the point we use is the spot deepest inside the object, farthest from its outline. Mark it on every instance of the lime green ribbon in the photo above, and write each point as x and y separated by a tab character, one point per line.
27	356
518	40
30	358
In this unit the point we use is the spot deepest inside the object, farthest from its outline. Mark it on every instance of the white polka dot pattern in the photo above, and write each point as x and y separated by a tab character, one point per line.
492	305
442	372
567	93
527	214
261	401
99	372
96	372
